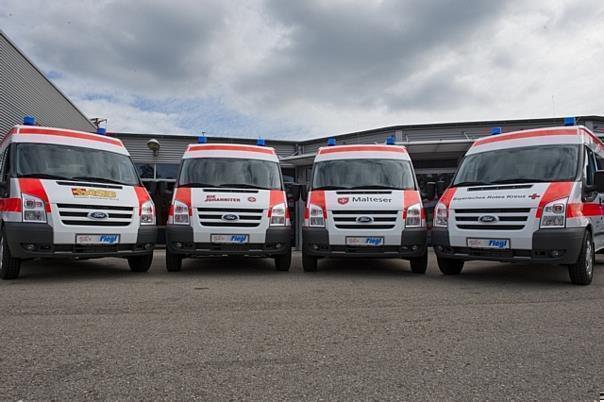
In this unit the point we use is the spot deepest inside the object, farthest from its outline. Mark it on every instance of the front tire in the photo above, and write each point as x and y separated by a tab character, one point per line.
283	261
140	263
450	266
582	272
9	266
173	261
309	262
419	265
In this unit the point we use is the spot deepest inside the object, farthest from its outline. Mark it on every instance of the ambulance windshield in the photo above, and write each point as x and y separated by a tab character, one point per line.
543	163
230	172
62	162
349	174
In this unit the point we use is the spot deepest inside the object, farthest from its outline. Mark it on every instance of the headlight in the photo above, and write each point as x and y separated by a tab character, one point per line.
441	216
181	213
413	217
33	209
316	217
554	214
278	215
148	213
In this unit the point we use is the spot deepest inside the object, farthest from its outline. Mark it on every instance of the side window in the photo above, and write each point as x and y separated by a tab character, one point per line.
4	163
599	162
591	168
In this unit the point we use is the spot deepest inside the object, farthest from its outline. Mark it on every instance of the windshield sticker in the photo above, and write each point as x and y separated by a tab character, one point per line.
93	193
214	198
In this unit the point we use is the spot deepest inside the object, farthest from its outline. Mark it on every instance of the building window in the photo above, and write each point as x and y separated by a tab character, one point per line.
145	170
166	170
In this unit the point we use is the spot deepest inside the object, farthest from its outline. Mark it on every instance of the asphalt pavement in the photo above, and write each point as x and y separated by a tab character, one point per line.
236	329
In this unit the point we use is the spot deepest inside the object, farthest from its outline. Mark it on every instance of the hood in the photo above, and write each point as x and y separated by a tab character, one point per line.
509	196
219	198
363	200
67	192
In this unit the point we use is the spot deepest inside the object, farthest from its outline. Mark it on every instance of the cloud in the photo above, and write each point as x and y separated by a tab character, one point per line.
297	69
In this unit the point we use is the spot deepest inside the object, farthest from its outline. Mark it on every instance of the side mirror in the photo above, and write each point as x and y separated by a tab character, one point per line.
599	181
430	191
304	192
293	191
440	187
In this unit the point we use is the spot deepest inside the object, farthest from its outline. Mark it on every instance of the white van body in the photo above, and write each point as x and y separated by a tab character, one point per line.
526	196
63	197
363	201
229	200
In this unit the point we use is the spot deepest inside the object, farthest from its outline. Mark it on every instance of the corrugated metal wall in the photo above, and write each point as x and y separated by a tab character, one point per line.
25	90
173	147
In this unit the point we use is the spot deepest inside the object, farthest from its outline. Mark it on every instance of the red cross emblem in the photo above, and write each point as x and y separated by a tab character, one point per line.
534	196
343	200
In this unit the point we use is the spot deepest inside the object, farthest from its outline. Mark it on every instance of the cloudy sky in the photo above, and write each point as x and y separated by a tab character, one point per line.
298	69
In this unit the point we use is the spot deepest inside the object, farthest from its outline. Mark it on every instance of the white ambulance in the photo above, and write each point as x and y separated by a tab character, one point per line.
531	196
66	193
363	201
229	200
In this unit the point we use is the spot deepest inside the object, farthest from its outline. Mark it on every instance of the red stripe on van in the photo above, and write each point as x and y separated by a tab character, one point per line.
554	192
316	198
143	196
584	209
363	148
245	148
36	188
69	134
10	204
523	135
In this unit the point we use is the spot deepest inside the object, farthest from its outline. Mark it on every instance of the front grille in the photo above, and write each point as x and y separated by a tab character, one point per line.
214	217
505	218
344	219
77	215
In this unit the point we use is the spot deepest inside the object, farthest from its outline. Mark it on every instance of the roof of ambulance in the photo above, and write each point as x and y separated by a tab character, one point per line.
61	136
535	137
218	150
362	151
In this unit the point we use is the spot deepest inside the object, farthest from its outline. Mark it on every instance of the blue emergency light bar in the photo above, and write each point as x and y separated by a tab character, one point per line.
101	131
390	140
496	130
261	142
202	139
570	121
29	120
331	142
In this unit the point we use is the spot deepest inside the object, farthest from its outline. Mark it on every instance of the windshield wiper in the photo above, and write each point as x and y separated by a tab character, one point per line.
331	188
197	184
471	183
45	176
243	185
504	181
100	180
375	186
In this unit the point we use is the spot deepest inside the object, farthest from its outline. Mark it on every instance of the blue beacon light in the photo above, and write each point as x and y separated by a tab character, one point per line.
331	142
260	142
29	120
496	130
390	140
202	139
570	121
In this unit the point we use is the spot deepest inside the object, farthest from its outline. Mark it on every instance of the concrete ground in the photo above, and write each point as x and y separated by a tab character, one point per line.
235	329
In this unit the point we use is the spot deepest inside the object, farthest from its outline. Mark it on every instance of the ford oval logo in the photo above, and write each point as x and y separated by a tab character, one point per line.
98	215
488	219
364	219
230	217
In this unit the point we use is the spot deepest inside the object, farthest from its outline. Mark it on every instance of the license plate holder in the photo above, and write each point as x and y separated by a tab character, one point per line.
496	244
365	241
106	239
229	238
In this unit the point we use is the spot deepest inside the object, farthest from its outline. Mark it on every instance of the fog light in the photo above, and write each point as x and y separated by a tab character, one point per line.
30	247
178	244
555	253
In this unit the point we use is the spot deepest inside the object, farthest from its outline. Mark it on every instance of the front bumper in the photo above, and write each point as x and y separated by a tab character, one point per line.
316	242
566	242
19	234
179	240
